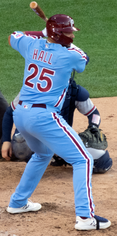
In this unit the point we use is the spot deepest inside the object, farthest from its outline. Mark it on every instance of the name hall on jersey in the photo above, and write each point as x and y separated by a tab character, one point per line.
42	56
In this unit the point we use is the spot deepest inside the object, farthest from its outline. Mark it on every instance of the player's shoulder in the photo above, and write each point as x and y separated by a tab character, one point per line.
74	49
17	34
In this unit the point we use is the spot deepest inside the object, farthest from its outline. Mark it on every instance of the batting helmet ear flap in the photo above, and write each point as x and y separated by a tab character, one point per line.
63	39
57	37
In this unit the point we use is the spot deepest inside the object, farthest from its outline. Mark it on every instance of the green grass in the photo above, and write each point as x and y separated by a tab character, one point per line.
97	21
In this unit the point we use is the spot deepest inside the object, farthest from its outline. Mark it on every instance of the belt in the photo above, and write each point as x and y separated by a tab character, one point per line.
34	105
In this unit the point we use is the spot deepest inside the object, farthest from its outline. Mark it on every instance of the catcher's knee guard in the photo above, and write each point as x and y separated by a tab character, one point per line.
20	148
103	164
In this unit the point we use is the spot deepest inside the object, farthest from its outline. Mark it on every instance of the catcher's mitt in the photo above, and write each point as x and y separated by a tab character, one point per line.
94	138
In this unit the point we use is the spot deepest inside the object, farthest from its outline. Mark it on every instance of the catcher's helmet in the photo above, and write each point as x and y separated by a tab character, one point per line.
59	24
20	148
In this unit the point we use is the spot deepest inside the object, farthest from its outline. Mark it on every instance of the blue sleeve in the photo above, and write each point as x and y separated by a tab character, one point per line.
19	42
7	124
79	58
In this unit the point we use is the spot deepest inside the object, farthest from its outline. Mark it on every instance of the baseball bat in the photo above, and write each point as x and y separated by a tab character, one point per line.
37	9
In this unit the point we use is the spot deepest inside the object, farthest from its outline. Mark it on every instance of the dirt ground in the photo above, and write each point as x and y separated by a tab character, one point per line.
55	190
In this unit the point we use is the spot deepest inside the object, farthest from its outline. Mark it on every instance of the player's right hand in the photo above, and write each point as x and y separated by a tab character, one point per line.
6	150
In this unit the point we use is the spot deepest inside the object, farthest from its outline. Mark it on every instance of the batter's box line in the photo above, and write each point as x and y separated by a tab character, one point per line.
7	234
61	213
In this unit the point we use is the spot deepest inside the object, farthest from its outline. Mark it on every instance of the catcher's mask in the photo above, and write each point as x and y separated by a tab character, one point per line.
20	148
59	24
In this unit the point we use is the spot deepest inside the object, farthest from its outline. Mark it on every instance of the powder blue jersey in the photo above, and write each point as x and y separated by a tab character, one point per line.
48	67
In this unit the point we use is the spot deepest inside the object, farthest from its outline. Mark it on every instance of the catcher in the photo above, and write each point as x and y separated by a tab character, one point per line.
94	140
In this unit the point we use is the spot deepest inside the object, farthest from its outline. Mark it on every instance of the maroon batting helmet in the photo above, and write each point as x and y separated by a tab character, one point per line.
59	24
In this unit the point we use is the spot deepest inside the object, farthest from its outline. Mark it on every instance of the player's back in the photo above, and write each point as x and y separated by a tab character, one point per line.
47	71
48	67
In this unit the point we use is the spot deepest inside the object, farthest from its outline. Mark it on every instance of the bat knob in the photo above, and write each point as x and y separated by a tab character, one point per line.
33	5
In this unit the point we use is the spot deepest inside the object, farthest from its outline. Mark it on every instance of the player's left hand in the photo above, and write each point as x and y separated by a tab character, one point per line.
94	138
6	150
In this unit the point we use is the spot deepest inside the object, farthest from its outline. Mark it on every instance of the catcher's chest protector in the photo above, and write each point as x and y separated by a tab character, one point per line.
69	104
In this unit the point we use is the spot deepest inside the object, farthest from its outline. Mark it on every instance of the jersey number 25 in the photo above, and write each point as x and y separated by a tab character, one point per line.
44	76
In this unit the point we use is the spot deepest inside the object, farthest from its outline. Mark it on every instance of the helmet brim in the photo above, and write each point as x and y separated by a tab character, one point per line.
75	29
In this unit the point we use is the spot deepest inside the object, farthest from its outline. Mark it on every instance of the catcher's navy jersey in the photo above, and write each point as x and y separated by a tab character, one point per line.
48	67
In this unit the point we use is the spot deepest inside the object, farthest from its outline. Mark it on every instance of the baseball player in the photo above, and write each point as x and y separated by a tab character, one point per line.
48	66
76	97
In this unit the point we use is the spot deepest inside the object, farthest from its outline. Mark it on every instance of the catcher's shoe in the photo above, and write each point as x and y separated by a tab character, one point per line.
30	206
103	164
95	222
58	161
